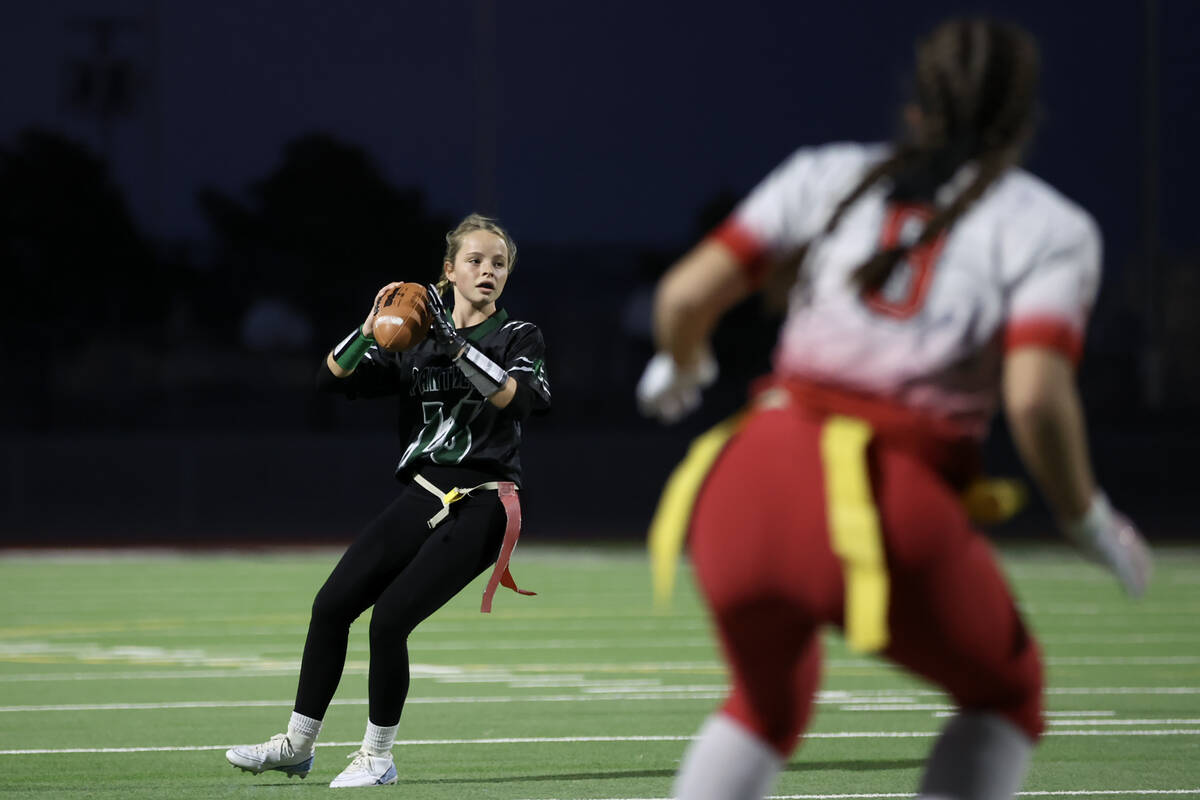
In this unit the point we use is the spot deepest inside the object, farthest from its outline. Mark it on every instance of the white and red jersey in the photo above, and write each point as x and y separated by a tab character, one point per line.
1020	267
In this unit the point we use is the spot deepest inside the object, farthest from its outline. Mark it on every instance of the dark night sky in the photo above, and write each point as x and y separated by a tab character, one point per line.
613	122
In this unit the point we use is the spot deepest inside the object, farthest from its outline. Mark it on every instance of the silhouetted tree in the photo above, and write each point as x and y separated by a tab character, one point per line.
322	232
75	262
77	271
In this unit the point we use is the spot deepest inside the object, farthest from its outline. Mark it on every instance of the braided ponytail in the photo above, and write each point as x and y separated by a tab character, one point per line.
874	273
975	86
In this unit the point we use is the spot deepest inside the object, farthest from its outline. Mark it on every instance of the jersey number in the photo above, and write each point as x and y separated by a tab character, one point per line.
447	440
904	292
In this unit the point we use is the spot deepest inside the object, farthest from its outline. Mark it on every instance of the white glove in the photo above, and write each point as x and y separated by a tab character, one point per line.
1105	535
667	392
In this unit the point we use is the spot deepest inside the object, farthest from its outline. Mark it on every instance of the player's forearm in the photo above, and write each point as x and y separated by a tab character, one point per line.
682	327
504	397
691	298
344	357
1047	425
333	378
335	368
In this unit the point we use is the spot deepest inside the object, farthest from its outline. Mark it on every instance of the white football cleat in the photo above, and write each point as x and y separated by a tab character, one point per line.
366	770
276	753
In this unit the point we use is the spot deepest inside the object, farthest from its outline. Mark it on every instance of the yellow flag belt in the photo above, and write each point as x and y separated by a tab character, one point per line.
854	530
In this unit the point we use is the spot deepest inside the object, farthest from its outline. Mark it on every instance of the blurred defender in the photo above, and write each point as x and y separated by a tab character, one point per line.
931	277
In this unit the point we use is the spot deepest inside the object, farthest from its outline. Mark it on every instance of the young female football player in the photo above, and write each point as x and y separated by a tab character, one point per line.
934	277
463	393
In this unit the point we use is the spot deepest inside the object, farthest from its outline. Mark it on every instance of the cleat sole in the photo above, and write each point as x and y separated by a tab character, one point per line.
299	770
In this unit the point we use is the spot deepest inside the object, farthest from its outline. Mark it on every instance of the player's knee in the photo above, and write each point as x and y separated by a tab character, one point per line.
1026	712
1018	697
771	724
330	609
389	625
782	736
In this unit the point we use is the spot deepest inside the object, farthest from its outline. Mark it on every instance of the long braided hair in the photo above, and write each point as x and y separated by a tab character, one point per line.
976	83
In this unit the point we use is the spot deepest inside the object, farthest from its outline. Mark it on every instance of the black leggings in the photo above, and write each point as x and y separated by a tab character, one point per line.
405	570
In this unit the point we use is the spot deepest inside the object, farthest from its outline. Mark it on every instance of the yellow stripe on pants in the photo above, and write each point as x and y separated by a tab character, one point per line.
669	527
854	531
853	521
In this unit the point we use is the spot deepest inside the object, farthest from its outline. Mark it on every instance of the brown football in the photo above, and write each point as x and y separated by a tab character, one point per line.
403	318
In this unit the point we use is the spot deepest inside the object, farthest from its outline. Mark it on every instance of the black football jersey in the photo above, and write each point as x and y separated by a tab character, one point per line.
443	418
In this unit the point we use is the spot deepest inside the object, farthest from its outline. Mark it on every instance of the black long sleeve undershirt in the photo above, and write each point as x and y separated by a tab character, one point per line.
326	381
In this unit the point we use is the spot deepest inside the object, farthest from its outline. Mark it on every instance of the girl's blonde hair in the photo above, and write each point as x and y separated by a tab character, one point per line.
454	240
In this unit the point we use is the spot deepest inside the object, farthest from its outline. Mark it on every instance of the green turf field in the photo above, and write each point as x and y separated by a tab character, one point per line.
127	676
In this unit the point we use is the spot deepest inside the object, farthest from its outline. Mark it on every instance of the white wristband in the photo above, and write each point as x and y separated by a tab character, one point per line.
484	374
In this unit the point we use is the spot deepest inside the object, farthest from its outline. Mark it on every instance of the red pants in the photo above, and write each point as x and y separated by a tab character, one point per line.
761	550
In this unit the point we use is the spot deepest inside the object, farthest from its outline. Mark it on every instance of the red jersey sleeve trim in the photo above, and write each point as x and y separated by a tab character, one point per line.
1052	332
746	248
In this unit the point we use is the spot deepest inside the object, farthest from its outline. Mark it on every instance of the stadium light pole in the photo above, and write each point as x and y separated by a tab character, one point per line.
487	105
154	118
1152	356
102	85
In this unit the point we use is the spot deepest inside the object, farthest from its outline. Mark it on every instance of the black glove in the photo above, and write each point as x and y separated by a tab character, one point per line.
484	374
448	340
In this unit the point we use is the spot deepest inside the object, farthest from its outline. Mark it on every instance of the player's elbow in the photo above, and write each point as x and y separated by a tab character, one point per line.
701	286
1031	401
677	299
1034	416
327	380
517	401
1038	384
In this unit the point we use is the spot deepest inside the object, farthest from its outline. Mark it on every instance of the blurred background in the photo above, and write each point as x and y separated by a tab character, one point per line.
197	199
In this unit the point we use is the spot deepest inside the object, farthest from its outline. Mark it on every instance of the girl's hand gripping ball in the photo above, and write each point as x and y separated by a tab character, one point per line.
402	317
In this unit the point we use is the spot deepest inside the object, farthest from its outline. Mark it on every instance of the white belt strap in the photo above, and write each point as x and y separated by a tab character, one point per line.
449	497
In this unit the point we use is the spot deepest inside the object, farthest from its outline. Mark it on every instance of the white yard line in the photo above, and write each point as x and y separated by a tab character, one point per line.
564	698
1134	690
560	644
582	740
873	795
1121	661
895	706
124	654
1061	793
71	677
289	627
668	693
42	651
1125	722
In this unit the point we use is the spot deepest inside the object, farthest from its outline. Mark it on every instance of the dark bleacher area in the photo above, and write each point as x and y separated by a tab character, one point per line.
163	391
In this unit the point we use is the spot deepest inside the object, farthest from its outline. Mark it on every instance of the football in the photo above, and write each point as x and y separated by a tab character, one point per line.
403	318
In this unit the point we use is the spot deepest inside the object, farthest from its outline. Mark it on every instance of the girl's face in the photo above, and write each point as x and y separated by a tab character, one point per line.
480	270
